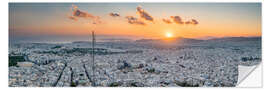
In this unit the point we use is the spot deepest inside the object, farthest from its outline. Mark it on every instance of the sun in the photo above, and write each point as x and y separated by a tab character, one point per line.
169	35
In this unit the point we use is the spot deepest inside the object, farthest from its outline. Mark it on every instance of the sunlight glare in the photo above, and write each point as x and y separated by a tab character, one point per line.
169	35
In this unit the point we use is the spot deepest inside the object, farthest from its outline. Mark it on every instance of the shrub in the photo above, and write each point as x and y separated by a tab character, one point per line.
14	59
115	84
152	70
73	84
185	84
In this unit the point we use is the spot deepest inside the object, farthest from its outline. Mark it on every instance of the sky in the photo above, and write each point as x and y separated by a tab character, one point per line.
52	21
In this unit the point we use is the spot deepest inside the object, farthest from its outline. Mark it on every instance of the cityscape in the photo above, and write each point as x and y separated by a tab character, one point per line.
176	51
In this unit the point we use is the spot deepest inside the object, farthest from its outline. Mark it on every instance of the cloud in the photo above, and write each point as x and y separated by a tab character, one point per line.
168	21
188	22
177	19
73	18
76	13
194	22
134	20
144	14
114	14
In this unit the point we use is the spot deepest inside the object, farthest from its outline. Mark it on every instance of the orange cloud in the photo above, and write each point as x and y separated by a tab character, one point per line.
134	20
76	13
194	22
114	14
73	18
168	21
177	19
144	14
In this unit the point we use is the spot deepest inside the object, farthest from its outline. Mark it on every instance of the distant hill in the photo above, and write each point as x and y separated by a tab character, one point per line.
172	40
181	41
185	40
237	39
81	42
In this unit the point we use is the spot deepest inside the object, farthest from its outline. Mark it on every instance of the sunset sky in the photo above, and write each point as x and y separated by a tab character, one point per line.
59	20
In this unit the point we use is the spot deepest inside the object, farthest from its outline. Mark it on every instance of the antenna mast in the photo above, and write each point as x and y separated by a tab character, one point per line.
93	58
